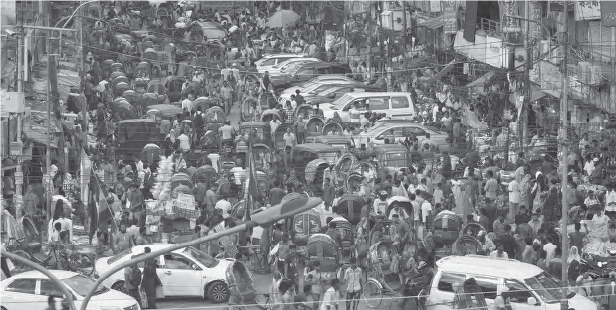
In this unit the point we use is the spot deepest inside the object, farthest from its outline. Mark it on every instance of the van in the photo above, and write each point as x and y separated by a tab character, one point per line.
530	287
392	104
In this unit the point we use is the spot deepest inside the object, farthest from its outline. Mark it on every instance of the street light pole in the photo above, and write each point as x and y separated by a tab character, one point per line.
564	108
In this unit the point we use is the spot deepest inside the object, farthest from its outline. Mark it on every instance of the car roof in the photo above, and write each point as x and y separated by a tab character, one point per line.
283	55
60	274
345	83
484	265
390	148
325	77
363	94
328	138
318	147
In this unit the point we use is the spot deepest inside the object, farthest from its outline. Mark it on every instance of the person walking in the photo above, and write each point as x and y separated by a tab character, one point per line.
132	280
353	278
150	282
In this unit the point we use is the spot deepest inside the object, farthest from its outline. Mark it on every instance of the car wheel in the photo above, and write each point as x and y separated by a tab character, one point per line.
218	292
119	286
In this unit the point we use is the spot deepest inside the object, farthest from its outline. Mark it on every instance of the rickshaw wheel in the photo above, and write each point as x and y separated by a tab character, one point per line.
19	267
373	295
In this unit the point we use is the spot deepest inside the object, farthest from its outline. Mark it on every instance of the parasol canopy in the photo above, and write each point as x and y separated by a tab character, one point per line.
151	146
282	18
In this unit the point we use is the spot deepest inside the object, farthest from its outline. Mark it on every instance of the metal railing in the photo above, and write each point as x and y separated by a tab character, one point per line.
490	27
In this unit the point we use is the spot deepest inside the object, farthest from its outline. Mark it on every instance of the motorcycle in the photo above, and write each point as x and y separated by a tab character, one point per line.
603	267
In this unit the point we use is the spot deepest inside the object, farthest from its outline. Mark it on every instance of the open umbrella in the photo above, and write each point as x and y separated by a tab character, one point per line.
282	18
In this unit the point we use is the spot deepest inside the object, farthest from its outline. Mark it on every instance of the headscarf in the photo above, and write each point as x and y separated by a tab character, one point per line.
574	254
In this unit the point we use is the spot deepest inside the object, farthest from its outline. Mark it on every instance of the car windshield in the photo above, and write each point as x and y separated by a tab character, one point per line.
547	287
202	257
342	102
293	69
119	256
82	285
321	88
397	160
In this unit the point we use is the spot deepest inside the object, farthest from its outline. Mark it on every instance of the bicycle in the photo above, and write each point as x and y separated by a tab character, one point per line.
66	258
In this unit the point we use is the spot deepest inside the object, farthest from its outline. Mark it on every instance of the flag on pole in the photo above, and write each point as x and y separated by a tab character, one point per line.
251	193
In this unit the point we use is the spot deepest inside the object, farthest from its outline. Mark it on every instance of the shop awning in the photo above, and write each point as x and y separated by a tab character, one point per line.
482	80
536	93
434	23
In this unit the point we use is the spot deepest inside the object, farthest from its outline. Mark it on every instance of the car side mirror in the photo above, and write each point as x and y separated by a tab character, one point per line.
331	96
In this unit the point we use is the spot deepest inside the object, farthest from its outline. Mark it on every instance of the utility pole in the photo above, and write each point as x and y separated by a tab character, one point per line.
18	145
405	36
47	179
564	107
381	43
527	92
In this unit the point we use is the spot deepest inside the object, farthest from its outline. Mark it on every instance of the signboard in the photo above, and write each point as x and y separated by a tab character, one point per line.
608	14
185	201
534	14
221	6
450	16
588	10
12	102
486	49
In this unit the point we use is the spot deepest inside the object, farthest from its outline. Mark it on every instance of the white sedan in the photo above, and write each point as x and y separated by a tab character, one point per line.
184	272
30	290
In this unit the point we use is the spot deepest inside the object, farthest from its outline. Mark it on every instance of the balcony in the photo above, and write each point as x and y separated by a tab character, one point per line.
492	28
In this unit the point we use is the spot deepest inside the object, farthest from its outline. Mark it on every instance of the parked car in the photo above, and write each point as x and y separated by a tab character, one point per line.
30	290
305	72
319	80
399	129
269	61
392	104
282	67
530	287
184	272
327	92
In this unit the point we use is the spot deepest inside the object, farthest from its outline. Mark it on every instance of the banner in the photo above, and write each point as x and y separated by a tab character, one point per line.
185	201
587	10
8	14
450	16
608	14
534	14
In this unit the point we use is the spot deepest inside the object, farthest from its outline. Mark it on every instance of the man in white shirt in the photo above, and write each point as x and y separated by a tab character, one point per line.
330	298
139	165
514	199
380	205
353	278
399	211
223	205
184	142
589	167
426	210
187	103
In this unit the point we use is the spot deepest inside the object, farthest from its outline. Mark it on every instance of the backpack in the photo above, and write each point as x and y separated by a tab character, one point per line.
135	277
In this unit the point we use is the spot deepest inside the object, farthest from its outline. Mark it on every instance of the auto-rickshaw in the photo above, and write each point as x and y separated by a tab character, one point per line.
263	183
203	102
340	142
332	129
278	141
353	179
392	157
302	154
314	128
117	74
349	207
263	131
269	115
346	232
119	79
117	67
446	229
215	115
314	171
323	249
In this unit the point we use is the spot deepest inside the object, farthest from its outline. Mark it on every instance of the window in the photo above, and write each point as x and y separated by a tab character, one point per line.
50	288
378	103
447	280
518	292
325	70
25	286
175	261
305	71
397	133
399	102
488	286
415	130
269	62
119	256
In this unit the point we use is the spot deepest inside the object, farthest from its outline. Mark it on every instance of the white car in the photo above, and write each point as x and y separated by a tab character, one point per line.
316	82
30	290
280	68
184	272
269	61
392	104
